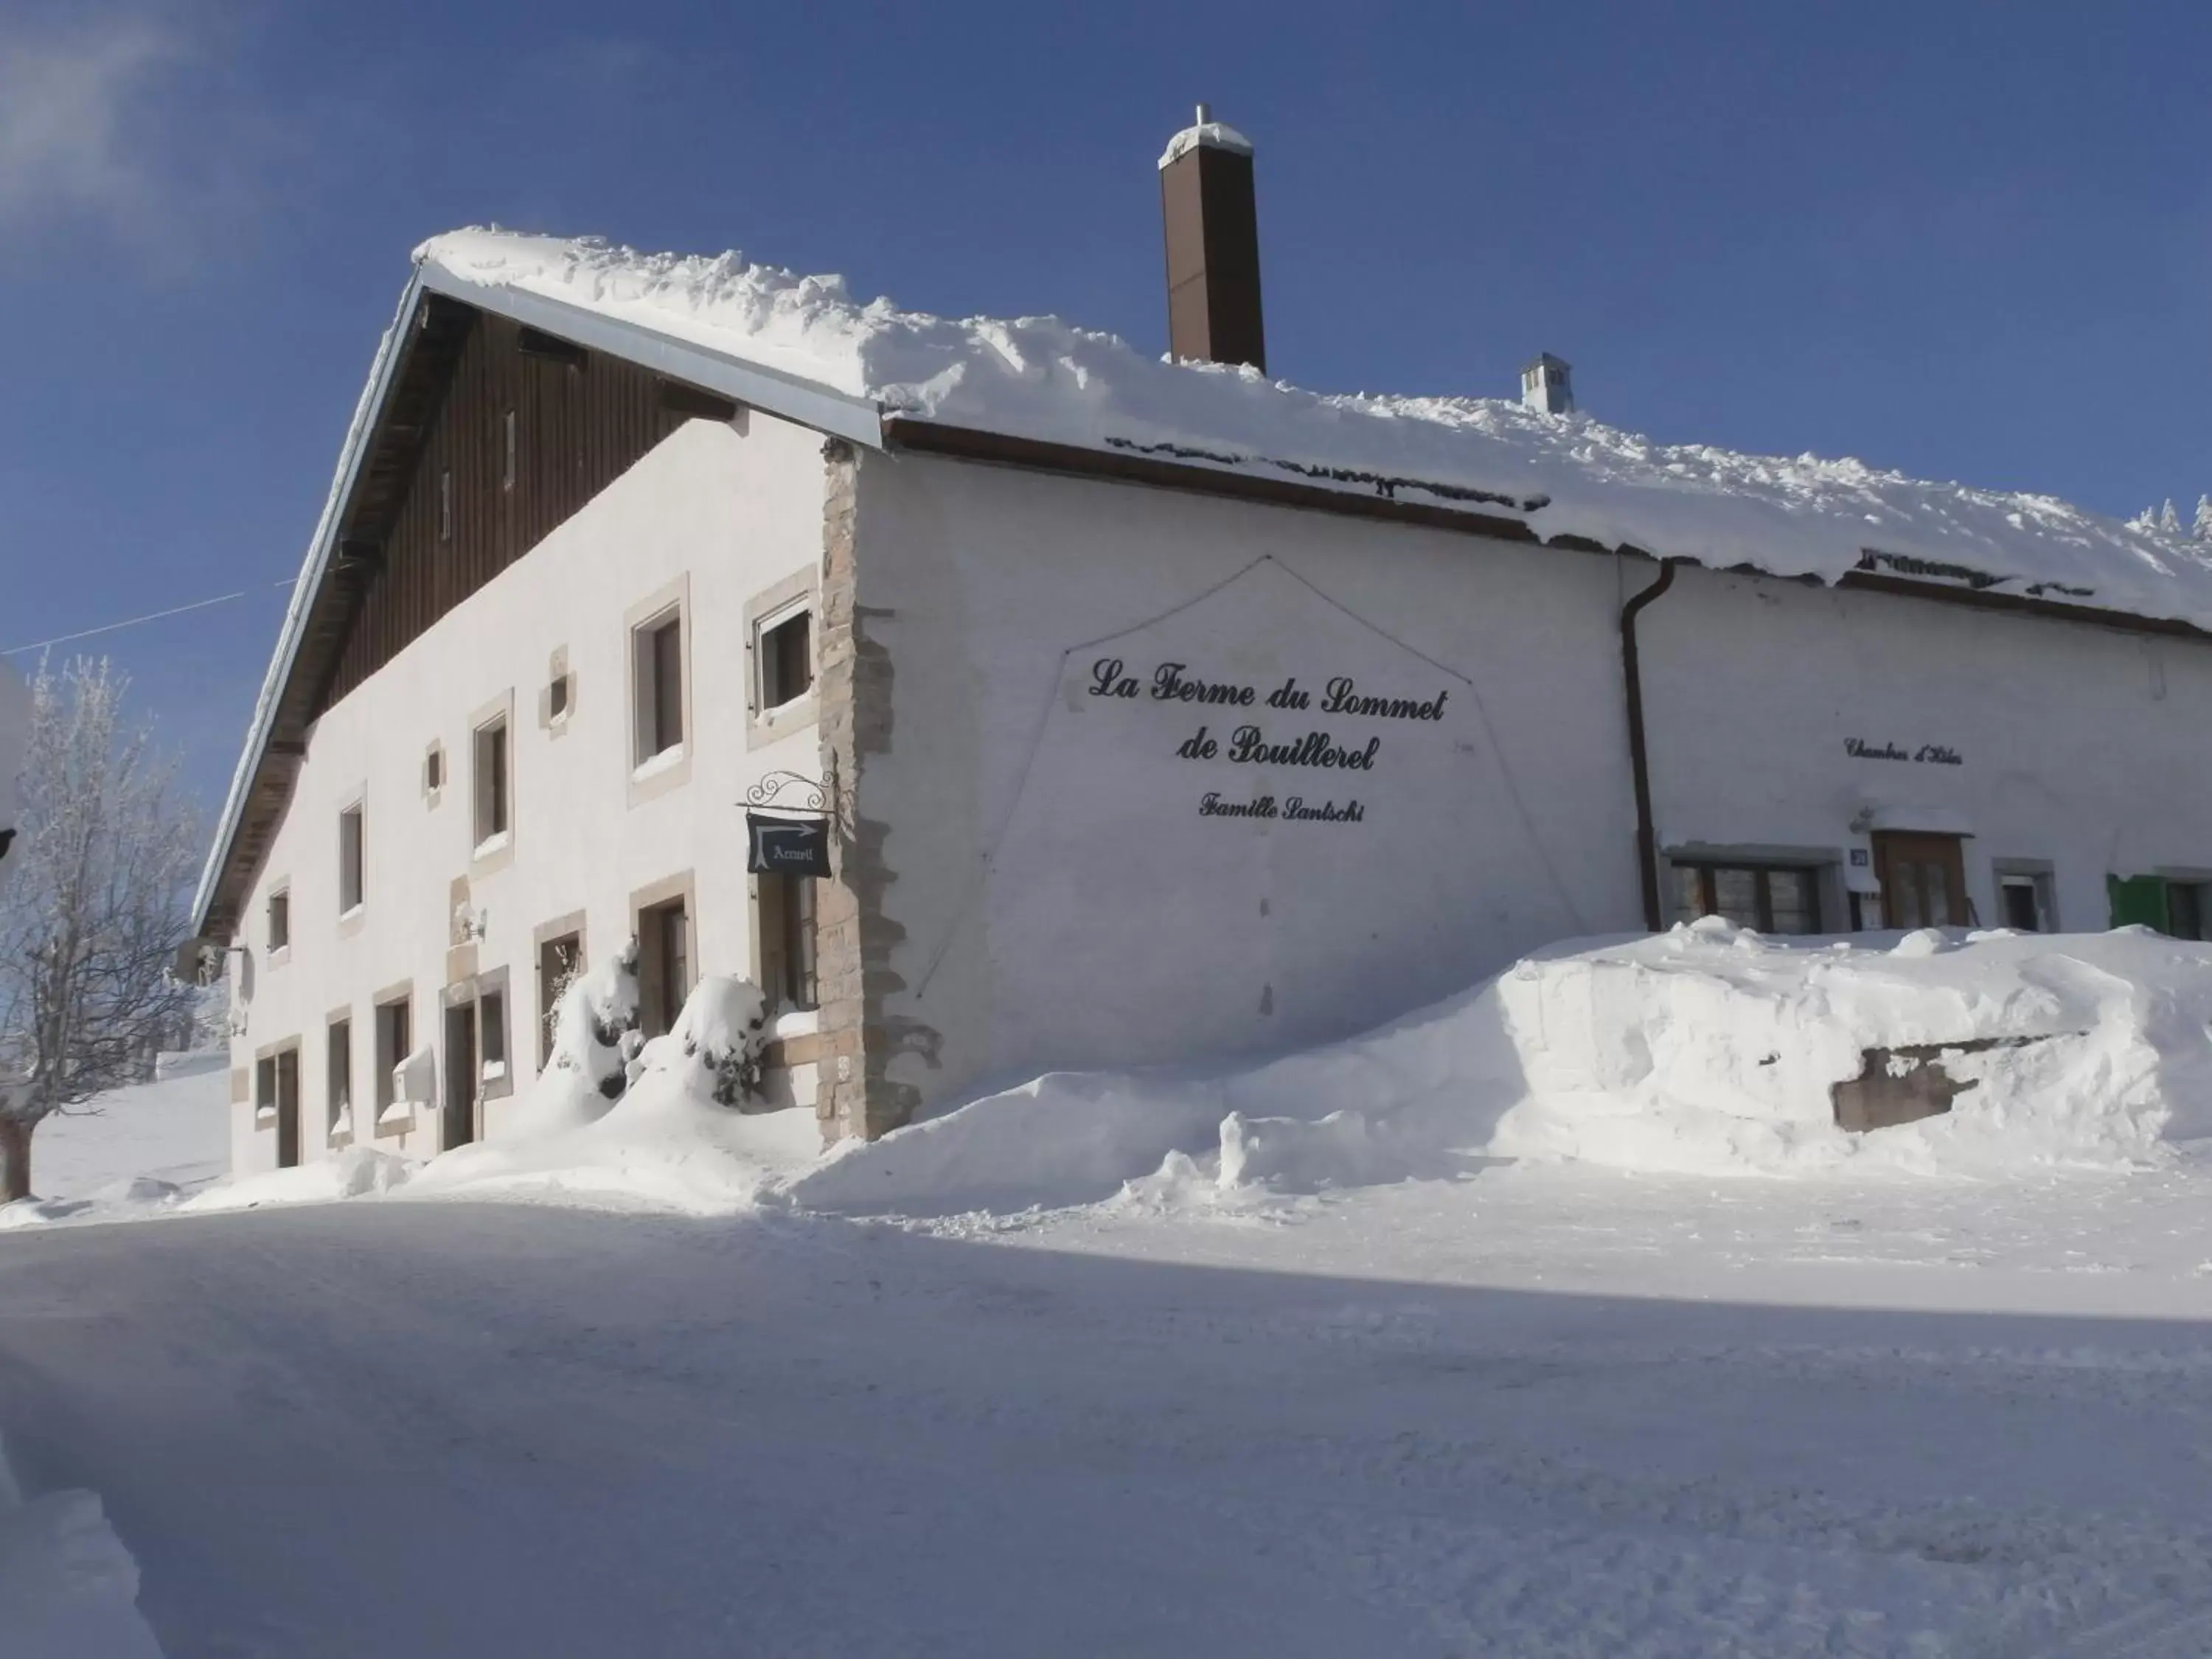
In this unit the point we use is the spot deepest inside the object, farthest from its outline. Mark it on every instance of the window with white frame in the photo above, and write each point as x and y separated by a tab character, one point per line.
280	920
783	658
657	660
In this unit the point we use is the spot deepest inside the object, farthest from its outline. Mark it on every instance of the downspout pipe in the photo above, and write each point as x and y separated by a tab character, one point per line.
1639	756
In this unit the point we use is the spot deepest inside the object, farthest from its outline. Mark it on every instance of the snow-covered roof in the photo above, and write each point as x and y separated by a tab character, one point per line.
1041	379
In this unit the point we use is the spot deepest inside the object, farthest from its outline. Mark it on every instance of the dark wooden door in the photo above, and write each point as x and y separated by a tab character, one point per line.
459	1127
288	1108
1923	879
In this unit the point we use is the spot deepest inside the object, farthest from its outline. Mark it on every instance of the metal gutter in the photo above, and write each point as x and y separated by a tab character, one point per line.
1639	756
807	403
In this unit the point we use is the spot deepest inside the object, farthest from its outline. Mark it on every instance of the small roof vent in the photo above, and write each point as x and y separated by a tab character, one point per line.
1547	385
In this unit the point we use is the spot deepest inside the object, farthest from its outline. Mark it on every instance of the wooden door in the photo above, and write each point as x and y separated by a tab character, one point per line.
288	1108
1923	879
459	1126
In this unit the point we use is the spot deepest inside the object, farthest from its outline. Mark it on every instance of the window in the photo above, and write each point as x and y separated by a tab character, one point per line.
507	450
491	1035
276	1101
338	1084
787	925
664	968
784	657
433	771
559	961
2024	901
491	781
351	873
395	1040
1923	879
280	920
1773	898
556	698
446	505
658	649
2187	908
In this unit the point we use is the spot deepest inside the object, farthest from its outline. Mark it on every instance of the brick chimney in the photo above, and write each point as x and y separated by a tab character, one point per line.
1213	245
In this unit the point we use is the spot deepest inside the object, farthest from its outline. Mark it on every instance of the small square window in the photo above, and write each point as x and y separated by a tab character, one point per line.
433	771
280	920
657	650
784	658
557	697
491	781
351	875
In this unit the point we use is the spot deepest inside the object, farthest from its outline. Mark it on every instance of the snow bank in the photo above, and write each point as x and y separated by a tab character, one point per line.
1707	1050
673	1139
69	1589
351	1172
1040	378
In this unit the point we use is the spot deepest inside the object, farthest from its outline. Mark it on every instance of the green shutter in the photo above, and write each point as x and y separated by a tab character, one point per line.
2137	899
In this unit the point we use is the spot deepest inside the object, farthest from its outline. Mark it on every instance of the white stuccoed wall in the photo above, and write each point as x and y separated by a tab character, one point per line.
2079	745
1112	924
1117	924
735	513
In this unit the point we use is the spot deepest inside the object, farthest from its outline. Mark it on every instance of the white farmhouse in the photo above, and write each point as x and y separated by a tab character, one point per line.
1150	710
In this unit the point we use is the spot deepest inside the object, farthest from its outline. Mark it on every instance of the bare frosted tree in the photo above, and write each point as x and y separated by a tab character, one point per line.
93	912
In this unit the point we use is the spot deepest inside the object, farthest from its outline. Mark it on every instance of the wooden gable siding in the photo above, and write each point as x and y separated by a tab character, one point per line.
581	423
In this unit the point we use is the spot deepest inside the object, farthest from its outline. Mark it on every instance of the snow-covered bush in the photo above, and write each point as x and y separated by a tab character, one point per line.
714	1053
594	1034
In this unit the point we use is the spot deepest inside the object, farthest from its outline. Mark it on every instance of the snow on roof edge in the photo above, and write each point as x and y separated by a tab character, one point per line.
1042	379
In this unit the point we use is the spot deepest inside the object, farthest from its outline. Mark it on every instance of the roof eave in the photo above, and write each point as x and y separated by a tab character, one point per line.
367	415
805	402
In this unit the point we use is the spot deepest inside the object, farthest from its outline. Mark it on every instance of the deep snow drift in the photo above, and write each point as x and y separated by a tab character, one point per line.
1040	378
1707	1050
67	1588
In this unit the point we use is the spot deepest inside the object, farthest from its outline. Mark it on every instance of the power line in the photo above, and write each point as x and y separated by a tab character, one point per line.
133	621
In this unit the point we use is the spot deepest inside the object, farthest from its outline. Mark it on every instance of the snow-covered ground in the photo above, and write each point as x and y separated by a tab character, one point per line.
135	1150
1391	1395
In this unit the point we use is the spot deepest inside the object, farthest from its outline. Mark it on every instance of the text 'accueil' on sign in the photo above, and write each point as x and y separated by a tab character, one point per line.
786	846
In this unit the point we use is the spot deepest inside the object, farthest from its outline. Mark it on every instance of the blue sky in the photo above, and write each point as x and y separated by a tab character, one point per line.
1969	241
